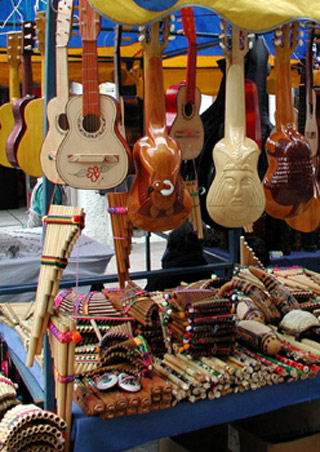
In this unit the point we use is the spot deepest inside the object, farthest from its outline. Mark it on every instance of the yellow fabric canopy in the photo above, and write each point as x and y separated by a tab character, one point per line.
251	15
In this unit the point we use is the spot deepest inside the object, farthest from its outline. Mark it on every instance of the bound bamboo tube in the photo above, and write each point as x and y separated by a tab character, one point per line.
63	227
69	386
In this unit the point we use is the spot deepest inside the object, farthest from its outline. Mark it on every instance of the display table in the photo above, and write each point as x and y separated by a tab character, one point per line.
90	434
88	259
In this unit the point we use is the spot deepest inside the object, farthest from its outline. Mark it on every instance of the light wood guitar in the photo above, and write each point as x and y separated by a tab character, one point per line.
309	220
19	106
28	154
289	182
14	52
158	198
93	154
57	119
183	101
236	196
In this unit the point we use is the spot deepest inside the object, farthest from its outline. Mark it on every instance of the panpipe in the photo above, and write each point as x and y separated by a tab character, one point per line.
26	427
63	337
247	255
122	230
155	393
199	322
63	227
8	395
195	212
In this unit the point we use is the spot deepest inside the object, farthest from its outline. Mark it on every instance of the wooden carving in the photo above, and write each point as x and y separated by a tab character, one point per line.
236	196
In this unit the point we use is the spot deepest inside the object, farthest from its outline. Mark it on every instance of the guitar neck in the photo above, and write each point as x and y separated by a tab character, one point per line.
27	82
62	79
14	89
90	79
284	104
155	112
191	72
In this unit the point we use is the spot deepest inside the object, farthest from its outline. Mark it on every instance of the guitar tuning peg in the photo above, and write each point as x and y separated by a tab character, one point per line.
301	34
172	17
141	28
172	28
141	38
278	32
277	42
251	35
222	35
171	38
222	45
250	45
300	42
180	32
221	25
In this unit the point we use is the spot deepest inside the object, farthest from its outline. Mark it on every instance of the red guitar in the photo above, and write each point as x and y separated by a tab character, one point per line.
158	199
18	107
183	101
289	181
93	154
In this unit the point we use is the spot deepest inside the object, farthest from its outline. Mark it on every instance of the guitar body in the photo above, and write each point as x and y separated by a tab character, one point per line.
57	129
236	196
28	155
158	199
18	130
6	126
185	121
93	160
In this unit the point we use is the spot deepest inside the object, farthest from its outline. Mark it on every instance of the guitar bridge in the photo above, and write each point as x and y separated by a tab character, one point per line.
94	158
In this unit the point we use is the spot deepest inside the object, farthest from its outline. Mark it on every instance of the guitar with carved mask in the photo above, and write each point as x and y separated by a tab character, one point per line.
6	112
289	183
57	120
93	154
309	220
19	106
235	197
183	101
158	199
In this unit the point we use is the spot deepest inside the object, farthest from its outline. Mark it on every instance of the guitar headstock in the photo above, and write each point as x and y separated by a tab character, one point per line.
64	22
14	48
28	35
188	23
234	42
90	21
286	39
41	31
155	36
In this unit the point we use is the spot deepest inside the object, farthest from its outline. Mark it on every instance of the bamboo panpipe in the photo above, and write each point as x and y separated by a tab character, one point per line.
247	256
122	233
86	399
63	226
195	213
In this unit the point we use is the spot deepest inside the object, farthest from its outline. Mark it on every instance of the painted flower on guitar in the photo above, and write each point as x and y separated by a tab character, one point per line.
93	173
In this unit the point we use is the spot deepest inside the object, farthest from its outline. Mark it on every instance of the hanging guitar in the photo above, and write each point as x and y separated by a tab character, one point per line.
57	120
93	154
289	182
158	199
309	220
183	100
236	196
6	113
19	106
28	153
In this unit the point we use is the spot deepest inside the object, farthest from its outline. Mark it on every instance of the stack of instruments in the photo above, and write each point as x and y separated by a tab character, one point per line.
199	322
28	428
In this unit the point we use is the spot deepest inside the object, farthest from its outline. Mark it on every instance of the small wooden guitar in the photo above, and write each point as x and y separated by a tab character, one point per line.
158	198
28	154
14	50
57	120
309	220
183	101
19	106
93	154
289	182
236	196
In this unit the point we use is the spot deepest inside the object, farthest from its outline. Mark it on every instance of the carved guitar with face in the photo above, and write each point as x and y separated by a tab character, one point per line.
93	154
14	47
158	199
236	196
183	101
57	120
289	181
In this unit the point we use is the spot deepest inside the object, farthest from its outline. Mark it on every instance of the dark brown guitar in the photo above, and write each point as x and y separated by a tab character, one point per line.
18	107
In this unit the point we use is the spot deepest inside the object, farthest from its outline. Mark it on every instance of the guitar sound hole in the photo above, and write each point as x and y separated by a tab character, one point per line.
188	109
91	123
63	122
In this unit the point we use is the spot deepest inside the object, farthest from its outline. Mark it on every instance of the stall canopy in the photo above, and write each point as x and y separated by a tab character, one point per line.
257	16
